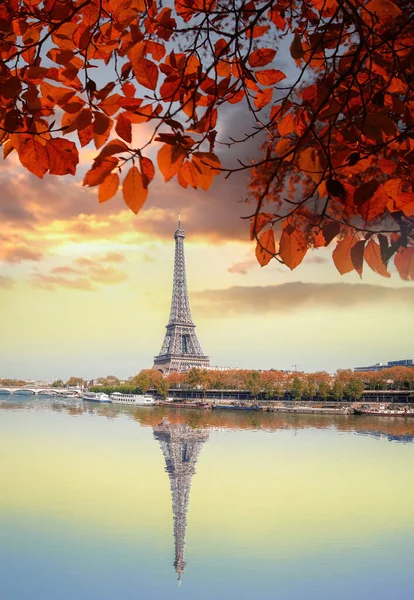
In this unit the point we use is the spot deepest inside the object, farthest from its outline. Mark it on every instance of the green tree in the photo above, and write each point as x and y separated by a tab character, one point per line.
354	388
57	383
324	390
337	391
254	384
297	388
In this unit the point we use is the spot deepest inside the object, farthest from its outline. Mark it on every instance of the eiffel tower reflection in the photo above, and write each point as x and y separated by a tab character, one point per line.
180	445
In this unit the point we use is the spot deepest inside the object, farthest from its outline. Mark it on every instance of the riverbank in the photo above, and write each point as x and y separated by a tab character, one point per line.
287	407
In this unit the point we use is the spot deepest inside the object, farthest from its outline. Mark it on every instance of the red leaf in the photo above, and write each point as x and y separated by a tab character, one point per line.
146	73
124	128
147	170
63	156
269	76
261	57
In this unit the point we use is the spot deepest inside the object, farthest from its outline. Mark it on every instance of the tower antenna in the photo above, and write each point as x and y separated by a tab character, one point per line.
179	220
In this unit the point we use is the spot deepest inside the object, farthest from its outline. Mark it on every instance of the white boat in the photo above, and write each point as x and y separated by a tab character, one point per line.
96	397
134	399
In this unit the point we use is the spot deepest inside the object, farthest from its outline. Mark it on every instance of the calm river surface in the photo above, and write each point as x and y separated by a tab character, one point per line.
103	502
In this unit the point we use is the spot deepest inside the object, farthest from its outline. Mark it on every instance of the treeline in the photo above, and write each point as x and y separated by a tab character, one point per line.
345	384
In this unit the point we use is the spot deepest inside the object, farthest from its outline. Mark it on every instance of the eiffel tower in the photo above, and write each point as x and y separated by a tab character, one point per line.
181	349
180	445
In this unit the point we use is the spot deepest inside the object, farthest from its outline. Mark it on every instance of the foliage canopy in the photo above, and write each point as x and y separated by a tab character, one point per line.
336	127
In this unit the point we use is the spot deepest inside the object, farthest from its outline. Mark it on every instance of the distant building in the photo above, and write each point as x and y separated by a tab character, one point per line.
406	362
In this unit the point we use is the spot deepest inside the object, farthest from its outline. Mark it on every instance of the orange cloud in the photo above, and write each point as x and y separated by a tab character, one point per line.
17	254
288	297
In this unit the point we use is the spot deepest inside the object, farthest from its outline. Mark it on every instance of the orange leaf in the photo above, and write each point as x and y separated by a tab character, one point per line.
146	73
113	147
133	190
403	202
342	254
292	248
169	160
63	156
286	125
187	175
258	222
108	187
371	199
206	167
296	50
373	258
269	76
404	261
261	57
100	171
383	9
265	249
263	97
310	164
124	128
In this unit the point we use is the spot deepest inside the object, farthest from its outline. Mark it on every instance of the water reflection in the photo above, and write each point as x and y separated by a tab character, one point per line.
180	445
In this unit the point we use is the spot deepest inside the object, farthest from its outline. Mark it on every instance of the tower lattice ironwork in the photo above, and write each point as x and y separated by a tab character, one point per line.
181	349
180	445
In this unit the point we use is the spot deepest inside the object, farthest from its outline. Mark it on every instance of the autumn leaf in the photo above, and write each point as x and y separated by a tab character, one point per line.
373	258
100	171
258	222
404	261
63	156
292	247
124	128
146	73
169	160
342	254
265	248
357	256
34	157
108	187
286	125
383	9
262	98
147	170
269	76
296	49
133	190
261	57
310	164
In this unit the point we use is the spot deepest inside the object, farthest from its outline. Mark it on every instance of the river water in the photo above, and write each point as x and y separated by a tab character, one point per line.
111	502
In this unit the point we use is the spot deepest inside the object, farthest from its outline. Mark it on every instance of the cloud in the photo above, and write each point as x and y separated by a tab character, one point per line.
243	266
83	274
17	254
290	297
6	282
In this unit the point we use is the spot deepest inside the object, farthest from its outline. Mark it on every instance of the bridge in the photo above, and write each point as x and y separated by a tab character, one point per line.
37	390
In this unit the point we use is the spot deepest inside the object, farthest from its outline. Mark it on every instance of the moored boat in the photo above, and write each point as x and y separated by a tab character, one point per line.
96	397
133	399
384	411
236	407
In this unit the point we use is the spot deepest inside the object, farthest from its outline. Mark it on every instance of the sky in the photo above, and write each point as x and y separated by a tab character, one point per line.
85	288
